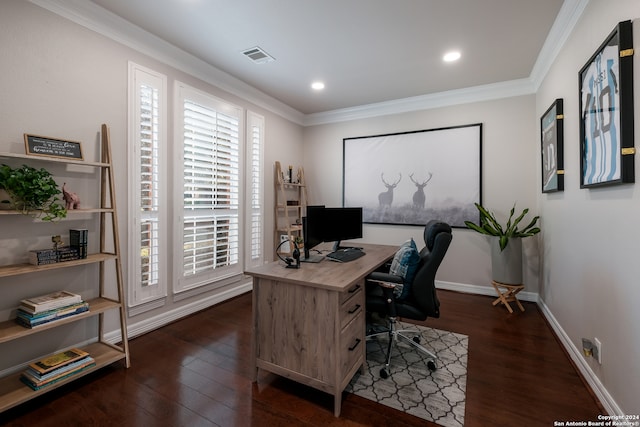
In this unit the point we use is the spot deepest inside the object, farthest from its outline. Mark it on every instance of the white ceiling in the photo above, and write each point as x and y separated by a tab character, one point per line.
366	51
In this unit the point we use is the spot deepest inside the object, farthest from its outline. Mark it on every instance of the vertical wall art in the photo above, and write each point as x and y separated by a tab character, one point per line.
606	112
409	178
551	139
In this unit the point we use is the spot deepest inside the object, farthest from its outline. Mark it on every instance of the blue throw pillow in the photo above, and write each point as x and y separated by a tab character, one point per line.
404	264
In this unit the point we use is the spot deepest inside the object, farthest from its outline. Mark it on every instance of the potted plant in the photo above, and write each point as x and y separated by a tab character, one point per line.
32	192
506	259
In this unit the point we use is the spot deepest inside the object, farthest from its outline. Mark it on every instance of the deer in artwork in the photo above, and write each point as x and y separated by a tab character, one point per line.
386	197
419	197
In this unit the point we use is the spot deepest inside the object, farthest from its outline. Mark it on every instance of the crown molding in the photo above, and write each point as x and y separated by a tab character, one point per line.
95	18
563	26
424	102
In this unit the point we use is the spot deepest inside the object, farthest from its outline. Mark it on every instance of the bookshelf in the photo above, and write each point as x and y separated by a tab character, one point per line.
290	206
12	391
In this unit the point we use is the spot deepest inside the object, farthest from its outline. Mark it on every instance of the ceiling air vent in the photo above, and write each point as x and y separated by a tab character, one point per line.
258	55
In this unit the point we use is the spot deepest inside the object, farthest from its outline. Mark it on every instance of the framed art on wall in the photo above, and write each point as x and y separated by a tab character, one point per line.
606	112
409	178
551	140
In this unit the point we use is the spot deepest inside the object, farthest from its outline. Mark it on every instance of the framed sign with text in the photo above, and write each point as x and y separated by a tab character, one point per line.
36	145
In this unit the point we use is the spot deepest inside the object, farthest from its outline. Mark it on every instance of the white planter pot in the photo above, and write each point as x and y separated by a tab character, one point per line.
506	266
5	200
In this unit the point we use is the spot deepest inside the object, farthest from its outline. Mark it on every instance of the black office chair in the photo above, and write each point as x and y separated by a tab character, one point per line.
421	302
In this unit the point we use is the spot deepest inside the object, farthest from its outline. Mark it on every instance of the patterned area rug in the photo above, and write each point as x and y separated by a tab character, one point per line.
437	396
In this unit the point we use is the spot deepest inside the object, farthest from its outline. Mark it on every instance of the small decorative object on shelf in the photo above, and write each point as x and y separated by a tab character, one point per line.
57	242
71	199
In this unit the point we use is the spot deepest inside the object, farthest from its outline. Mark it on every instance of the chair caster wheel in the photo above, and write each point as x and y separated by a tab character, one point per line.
416	340
431	365
384	374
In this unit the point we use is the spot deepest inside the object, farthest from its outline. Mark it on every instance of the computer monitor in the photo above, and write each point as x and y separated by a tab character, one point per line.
341	224
312	230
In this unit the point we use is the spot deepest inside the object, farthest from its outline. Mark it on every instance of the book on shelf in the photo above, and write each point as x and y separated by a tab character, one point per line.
30	314
32	381
31	321
52	256
50	301
37	377
78	239
58	360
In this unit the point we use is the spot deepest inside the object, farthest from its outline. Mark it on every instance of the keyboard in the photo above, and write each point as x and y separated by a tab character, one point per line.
345	255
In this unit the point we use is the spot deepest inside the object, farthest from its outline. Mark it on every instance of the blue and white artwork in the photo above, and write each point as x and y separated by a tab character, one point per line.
606	112
600	98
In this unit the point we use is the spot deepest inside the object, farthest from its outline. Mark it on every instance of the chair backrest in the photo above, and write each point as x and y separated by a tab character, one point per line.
437	237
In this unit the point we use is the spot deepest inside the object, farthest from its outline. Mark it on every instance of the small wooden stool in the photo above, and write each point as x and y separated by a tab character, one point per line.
507	293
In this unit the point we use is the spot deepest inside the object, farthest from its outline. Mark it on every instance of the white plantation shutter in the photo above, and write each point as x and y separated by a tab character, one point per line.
147	141
149	187
255	190
210	189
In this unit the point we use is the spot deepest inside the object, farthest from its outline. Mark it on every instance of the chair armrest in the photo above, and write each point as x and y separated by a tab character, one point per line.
378	276
384	284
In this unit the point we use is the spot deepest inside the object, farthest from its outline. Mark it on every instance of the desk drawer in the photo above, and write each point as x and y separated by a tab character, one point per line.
351	308
352	345
353	291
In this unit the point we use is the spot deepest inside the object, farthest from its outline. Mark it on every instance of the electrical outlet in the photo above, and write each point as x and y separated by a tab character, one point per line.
597	350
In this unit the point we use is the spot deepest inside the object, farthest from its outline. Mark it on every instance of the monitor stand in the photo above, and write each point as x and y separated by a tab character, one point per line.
311	258
337	247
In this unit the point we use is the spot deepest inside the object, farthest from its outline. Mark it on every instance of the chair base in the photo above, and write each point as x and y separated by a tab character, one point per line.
394	336
506	294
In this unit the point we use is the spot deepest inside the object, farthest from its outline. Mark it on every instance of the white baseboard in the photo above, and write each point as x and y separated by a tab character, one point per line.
592	379
575	354
482	290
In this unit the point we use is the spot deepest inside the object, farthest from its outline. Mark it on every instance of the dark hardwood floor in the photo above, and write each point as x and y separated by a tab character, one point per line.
196	372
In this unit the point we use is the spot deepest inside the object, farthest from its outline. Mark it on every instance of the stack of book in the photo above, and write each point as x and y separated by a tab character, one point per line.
34	312
51	256
57	367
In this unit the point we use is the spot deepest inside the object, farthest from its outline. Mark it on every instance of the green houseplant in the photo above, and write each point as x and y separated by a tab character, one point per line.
32	192
490	226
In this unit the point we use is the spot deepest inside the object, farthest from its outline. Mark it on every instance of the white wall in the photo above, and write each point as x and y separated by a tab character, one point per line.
508	172
63	80
590	250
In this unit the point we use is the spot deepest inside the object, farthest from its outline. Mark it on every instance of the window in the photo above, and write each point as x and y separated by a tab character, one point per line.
147	172
255	189
207	199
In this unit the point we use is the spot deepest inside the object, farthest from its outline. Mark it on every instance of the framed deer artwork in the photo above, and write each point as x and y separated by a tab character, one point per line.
412	177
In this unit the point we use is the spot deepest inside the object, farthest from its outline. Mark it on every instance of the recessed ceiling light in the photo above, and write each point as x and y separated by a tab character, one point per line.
451	56
317	85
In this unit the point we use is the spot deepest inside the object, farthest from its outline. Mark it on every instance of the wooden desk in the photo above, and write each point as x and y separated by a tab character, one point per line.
309	323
